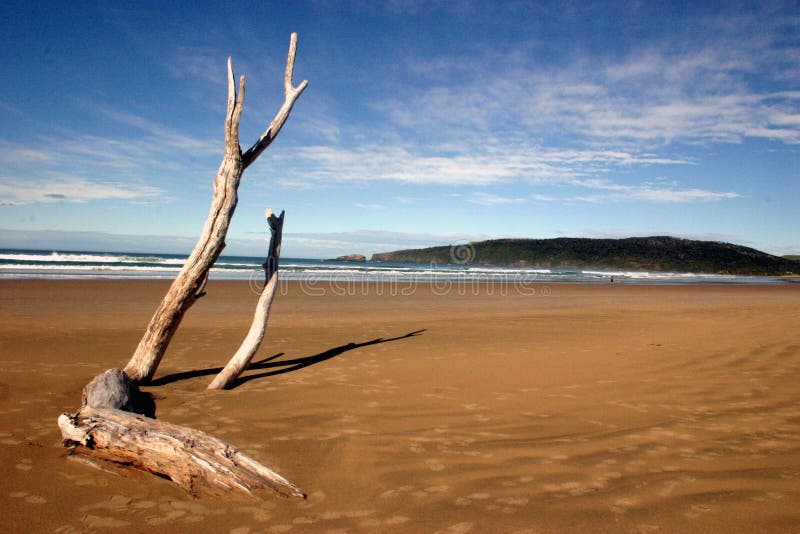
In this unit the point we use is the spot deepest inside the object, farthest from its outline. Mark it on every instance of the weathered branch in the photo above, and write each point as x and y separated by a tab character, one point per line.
104	428
291	94
189	285
241	359
199	463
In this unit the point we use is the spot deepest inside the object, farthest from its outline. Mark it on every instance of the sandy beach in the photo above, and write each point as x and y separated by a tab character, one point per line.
569	408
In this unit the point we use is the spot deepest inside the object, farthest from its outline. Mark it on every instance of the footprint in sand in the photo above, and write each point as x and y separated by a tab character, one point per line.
116	503
513	501
434	465
280	528
416	448
396	520
25	464
621	506
164	519
697	510
668	488
97	522
458	528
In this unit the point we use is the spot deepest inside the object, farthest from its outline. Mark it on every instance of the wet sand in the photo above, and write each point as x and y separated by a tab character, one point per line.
571	409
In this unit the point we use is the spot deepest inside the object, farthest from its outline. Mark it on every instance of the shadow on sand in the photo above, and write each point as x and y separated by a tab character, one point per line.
278	367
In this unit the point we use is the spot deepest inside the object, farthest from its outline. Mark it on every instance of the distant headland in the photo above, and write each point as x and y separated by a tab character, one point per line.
657	253
350	257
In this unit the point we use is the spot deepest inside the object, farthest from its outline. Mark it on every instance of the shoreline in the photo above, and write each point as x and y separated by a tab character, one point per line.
595	407
87	265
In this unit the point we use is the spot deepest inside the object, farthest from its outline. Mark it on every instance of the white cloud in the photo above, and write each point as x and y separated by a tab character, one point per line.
198	63
161	139
726	86
490	199
15	191
21	155
496	164
680	195
647	193
393	163
74	166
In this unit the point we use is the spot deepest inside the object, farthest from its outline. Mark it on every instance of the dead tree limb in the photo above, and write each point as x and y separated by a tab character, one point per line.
201	464
189	285
241	359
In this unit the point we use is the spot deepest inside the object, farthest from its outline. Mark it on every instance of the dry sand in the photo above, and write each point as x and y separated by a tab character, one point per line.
577	408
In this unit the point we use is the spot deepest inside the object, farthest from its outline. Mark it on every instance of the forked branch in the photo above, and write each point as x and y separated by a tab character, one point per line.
291	93
104	426
189	285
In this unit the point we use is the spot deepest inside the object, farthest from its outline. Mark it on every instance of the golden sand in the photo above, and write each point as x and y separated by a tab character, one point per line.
572	409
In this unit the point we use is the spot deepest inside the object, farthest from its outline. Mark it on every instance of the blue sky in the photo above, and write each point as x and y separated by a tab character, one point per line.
424	123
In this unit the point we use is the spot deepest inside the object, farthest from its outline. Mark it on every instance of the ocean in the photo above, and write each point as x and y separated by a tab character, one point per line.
76	265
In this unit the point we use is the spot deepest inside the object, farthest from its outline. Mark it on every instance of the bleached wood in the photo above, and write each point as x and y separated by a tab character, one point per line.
291	95
241	359
104	428
190	283
194	460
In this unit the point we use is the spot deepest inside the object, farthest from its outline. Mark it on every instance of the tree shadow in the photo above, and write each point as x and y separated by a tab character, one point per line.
143	402
296	364
279	367
196	373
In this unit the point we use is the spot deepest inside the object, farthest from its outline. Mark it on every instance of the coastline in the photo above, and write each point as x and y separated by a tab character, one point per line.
77	265
576	407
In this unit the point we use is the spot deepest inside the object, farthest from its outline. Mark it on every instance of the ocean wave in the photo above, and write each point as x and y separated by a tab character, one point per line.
77	257
16	264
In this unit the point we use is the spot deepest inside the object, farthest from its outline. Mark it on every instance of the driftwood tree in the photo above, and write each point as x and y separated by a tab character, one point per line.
241	360
107	426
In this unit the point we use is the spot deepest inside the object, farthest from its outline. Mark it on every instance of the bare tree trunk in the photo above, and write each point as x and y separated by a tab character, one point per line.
241	360
190	283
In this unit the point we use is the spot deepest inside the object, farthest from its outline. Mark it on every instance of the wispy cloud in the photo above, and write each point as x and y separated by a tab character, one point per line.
15	191
650	100
80	167
737	81
22	155
490	199
613	192
156	134
204	64
495	164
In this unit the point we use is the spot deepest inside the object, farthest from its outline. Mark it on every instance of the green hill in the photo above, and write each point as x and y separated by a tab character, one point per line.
657	253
